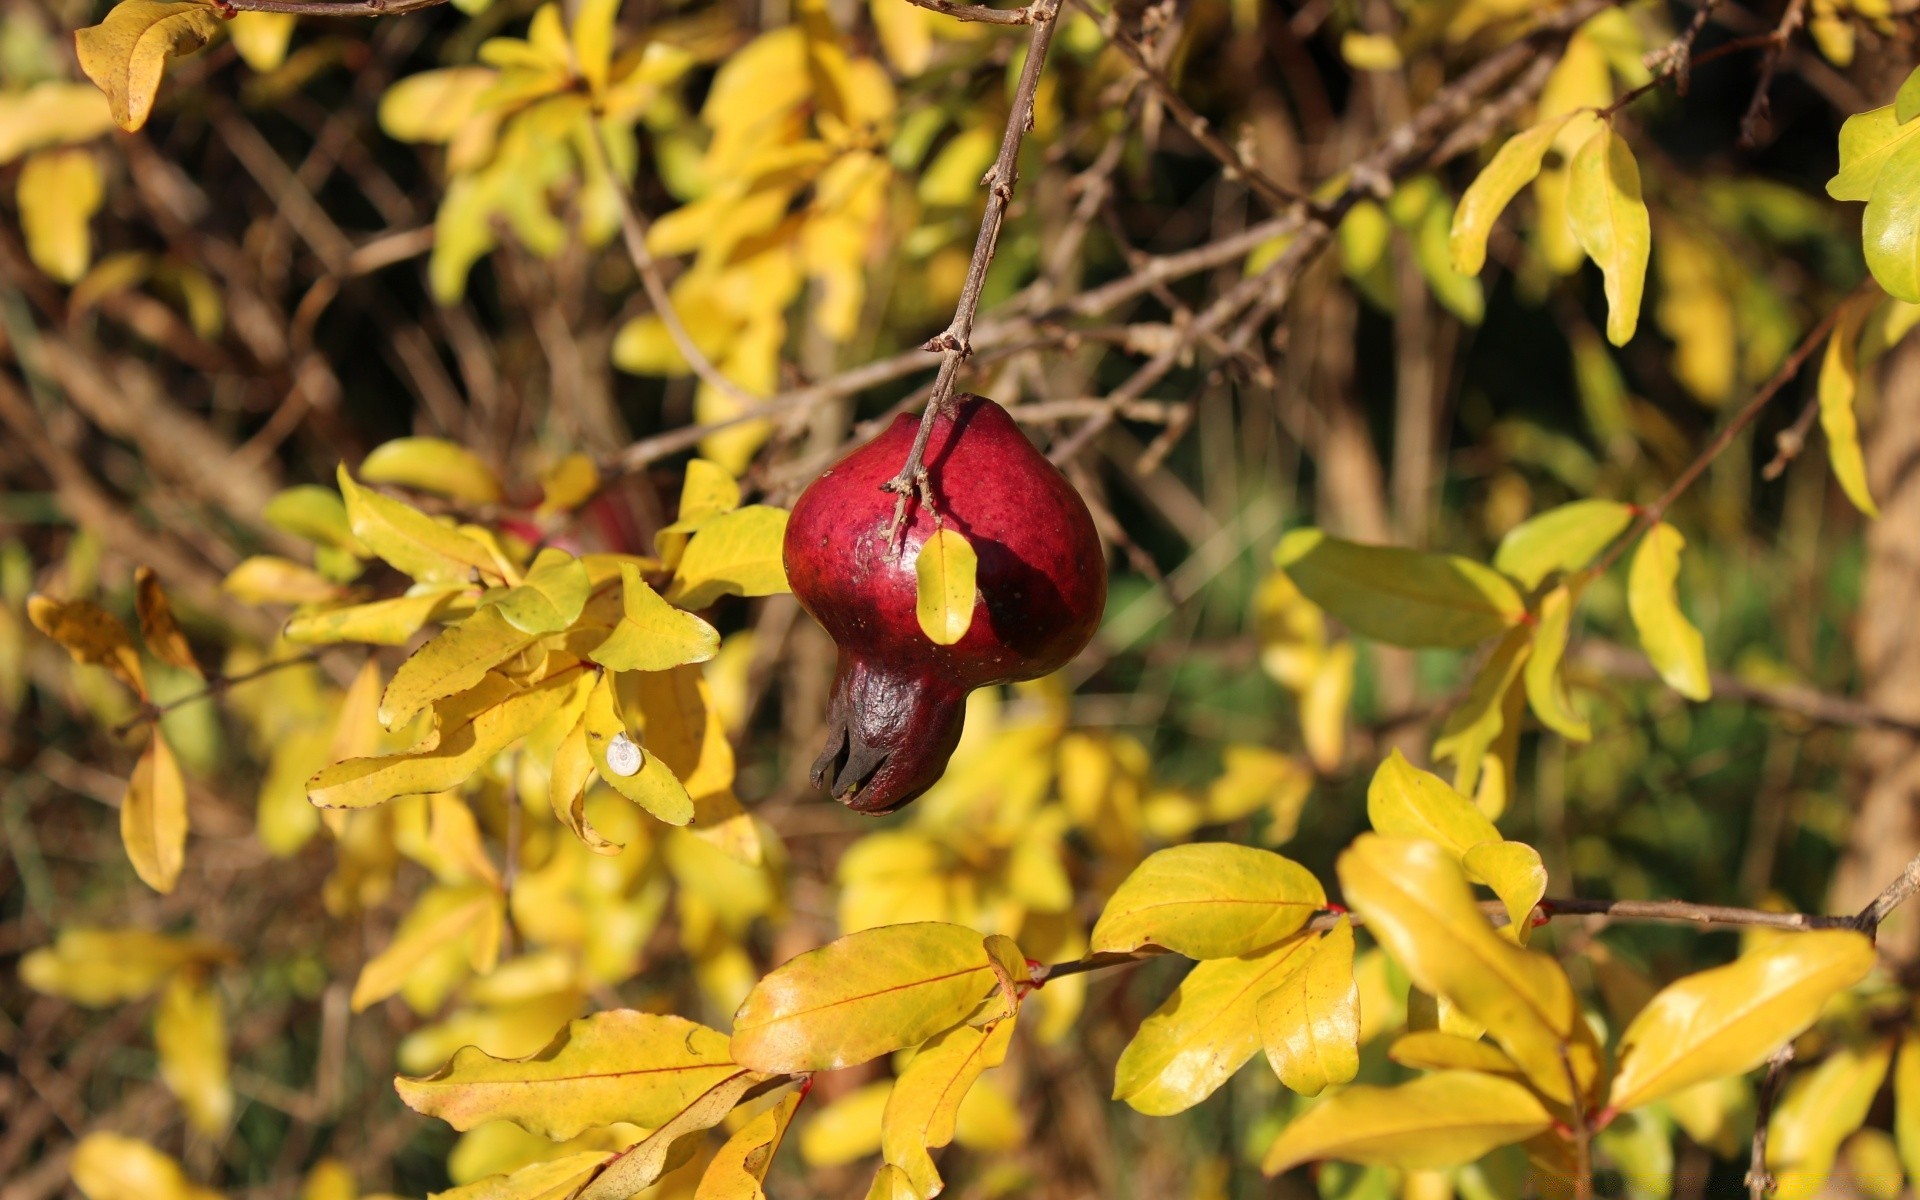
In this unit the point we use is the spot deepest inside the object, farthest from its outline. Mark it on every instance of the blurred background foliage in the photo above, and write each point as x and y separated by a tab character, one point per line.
333	233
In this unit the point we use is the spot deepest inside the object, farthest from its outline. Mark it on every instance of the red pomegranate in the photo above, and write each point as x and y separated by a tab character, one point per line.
898	698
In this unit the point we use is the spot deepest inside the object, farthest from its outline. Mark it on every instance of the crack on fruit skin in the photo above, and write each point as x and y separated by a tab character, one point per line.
898	699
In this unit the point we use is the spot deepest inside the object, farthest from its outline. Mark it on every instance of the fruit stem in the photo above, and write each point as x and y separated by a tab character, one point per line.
954	343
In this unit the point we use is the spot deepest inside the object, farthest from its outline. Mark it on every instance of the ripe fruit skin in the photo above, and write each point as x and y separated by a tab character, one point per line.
899	699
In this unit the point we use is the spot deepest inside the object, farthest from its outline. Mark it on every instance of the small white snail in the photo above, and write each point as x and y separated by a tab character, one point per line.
623	757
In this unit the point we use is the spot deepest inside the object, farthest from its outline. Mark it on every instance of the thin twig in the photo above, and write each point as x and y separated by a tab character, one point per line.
327	8
955	344
1789	442
1891	897
217	685
978	12
1753	126
1759	1179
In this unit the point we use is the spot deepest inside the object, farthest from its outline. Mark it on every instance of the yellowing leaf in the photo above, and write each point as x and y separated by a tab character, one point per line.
380	623
653	786
1417	903
1817	1112
891	1183
1890	230
862	996
1609	219
1672	644
567	779
552	1179
1906	1102
1208	900
736	553
108	1166
153	816
1839	387
414	543
1401	597
1433	1050
465	918
1728	1020
943	575
1515	873
925	1102
158	629
706	491
1310	1024
653	635
127	53
261	38
90	634
1476	724
1405	802
549	599
592	37
1440	1120
432	465
1513	166
740	1167
619	1065
100	967
473	727
1205	1031
58	192
1546	691
1867	141
1562	539
455	659
190	1033
634	1169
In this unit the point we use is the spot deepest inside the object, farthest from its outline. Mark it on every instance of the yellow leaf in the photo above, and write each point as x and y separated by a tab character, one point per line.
553	1179
1562	539
153	816
127	53
1839	388
90	634
740	1167
615	746
1609	219
1512	167
567	781
568	484
631	1170
1205	1031
1405	802
1515	873
58	192
380	623
861	996
1323	707
736	553
1477	723
1696	310
101	967
1728	1020
1906	1102
653	635
261	38
108	1166
432	465
549	599
1433	1050
1369	51
943	574
330	1179
1417	903
1867	141
158	629
1208	900
891	1183
1255	777
619	1065
1672	644
434	106
1817	1112
925	1103
455	659
315	513
52	112
472	728
190	1033
1546	692
1890	229
592	36
270	579
848	1129
1401	597
905	34
1310	1024
414	543
1439	1120
466	918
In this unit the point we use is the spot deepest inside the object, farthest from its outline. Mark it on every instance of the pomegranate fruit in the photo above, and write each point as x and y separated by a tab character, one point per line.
899	699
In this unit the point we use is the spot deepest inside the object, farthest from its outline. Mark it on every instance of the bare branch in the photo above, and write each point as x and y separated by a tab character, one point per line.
979	12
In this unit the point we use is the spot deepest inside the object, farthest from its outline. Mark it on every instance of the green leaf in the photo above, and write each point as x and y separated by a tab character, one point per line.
1546	694
1208	900
1401	597
549	599
653	635
945	595
1839	388
1513	166
127	53
861	996
1672	644
1729	1020
618	1065
1563	539
1310	1024
1609	220
1890	230
1440	1120
433	465
736	553
1205	1031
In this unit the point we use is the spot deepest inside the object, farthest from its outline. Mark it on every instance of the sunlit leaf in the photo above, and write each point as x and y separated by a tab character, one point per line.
925	1102
52	112
1672	644
706	492
631	1170
1839	389
101	967
1310	1024
1730	1019
190	1034
414	543
736	553
1439	1120
1512	167
568	484
1816	1113
1563	539
381	622
653	635
1867	141
465	918
111	1166
1434	1050
553	1179
261	38
1208	900
1515	873
127	53
270	579
944	586
432	465
1609	219
455	659
1906	1102
1477	722
613	744
740	1167
153	816
1546	690
57	194
1405	802
1402	597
